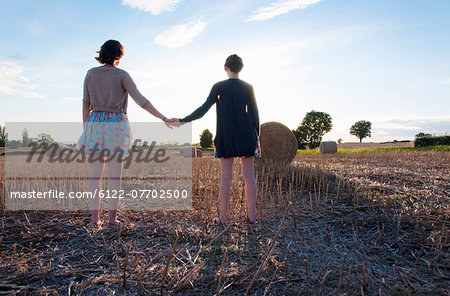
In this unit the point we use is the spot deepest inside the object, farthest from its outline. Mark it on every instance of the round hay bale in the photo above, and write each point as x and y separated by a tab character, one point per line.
191	152
188	151
328	147
278	143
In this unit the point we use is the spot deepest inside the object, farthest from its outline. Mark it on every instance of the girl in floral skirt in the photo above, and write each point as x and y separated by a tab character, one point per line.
106	128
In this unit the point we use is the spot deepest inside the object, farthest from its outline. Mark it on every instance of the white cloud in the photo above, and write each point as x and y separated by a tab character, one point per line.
13	82
384	130
180	35
279	7
435	125
153	6
73	98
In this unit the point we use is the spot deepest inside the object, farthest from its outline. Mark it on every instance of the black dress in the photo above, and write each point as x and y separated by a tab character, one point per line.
237	127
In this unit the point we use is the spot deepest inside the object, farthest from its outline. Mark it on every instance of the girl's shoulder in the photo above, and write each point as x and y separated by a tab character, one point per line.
233	82
106	69
246	84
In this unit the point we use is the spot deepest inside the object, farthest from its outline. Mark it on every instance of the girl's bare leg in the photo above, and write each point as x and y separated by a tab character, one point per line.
114	184
250	187
93	186
226	176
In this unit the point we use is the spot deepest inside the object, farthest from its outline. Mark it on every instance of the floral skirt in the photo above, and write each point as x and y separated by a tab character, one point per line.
106	132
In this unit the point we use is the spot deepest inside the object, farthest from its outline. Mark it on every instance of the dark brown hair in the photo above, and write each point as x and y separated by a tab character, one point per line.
234	63
110	52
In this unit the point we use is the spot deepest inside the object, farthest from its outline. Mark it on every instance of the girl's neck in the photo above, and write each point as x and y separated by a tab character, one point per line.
232	75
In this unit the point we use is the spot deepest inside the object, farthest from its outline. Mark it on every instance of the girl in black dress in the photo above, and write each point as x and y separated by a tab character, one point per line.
237	133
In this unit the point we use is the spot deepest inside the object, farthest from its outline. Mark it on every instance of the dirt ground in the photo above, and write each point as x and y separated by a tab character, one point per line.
318	235
415	181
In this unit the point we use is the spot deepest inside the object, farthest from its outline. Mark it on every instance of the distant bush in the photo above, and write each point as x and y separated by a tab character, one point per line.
422	134
3	136
431	141
14	143
206	139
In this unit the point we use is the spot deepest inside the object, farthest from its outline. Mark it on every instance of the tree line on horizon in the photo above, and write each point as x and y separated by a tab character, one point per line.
309	133
316	124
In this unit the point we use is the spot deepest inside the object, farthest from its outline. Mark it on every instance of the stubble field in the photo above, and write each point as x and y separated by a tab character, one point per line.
350	224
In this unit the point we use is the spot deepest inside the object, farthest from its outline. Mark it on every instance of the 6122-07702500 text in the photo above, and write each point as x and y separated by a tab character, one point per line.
137	194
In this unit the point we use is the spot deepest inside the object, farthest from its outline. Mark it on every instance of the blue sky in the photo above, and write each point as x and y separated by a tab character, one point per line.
383	61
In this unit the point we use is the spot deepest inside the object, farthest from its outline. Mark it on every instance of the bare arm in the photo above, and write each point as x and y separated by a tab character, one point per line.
153	111
200	111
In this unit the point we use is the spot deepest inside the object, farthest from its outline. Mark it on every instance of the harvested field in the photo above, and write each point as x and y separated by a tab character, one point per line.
357	145
416	181
320	234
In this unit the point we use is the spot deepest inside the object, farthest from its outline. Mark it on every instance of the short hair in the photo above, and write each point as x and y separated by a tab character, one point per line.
234	63
110	52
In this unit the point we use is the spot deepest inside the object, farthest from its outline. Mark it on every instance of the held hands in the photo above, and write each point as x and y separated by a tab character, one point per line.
172	122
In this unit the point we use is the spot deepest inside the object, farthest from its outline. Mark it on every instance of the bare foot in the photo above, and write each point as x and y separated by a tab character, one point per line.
218	221
252	221
95	224
114	224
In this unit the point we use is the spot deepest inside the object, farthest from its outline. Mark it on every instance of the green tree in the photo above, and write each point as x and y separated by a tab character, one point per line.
25	138
361	129
206	139
3	136
44	138
300	135
422	135
314	125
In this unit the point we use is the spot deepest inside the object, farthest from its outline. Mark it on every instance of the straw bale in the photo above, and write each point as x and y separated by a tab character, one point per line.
191	152
278	143
328	147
